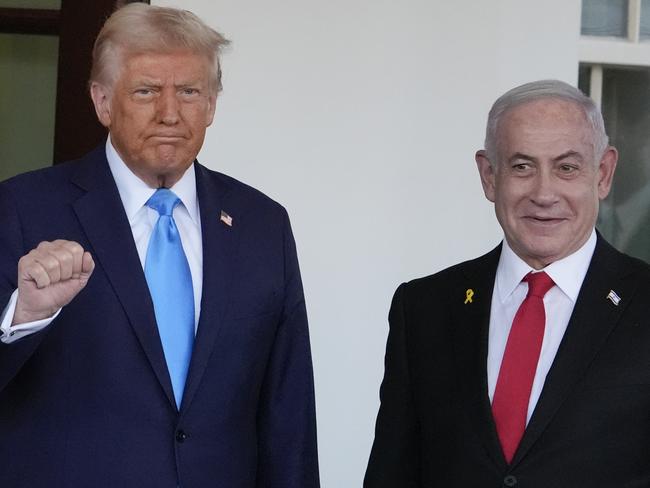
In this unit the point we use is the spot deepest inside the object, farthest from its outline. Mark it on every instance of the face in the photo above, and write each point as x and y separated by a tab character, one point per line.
546	183
157	112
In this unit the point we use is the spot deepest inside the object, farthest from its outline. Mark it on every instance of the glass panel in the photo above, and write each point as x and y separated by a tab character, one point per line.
28	68
625	215
645	20
604	18
584	79
49	4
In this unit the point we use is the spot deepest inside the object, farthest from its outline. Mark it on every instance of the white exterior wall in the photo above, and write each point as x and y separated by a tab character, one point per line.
362	117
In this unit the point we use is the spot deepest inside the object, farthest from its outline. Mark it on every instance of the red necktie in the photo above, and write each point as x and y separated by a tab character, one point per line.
519	363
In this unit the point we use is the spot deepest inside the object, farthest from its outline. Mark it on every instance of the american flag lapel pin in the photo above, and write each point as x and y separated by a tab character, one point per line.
226	219
613	297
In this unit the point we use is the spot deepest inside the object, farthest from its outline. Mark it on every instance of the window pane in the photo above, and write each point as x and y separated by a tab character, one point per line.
645	20
625	215
604	18
49	4
584	79
28	68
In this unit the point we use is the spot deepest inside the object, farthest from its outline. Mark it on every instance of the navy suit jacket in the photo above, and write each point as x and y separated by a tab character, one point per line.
88	400
591	425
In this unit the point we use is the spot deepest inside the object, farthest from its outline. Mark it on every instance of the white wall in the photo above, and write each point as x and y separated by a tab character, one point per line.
362	117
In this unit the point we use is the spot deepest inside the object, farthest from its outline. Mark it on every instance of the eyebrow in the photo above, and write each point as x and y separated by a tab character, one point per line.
523	156
568	154
158	83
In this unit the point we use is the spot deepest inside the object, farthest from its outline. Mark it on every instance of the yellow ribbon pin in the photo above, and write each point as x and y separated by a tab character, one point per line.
468	296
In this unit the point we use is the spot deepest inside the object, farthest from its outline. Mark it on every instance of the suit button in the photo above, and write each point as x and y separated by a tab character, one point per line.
510	481
181	436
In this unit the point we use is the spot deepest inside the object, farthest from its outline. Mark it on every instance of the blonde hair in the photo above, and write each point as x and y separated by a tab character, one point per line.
141	28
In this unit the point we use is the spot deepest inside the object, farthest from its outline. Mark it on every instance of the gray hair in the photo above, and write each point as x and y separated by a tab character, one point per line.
141	28
543	89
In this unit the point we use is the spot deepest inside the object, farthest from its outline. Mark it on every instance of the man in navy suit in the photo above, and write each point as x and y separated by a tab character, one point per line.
528	366
92	390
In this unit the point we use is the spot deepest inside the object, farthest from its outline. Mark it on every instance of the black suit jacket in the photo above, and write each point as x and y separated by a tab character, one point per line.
88	400
591	425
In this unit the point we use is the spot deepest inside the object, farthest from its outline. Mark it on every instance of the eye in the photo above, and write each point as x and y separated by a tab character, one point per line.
143	93
567	168
521	167
188	92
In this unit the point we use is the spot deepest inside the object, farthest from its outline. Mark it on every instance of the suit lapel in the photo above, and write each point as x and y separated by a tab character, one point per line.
102	217
471	325
593	319
219	253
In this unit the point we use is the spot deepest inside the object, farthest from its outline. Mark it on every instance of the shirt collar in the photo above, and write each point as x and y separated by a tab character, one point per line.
567	273
134	192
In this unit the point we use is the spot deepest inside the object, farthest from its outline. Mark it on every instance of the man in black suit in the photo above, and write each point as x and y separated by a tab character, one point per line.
153	331
529	366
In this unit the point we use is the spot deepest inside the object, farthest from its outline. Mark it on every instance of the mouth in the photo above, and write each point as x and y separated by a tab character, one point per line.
167	137
543	220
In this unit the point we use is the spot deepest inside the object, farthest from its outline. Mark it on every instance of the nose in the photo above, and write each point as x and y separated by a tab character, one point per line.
168	108
544	191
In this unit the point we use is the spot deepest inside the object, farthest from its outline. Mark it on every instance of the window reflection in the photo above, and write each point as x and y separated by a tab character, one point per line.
625	215
644	31
28	68
604	18
46	4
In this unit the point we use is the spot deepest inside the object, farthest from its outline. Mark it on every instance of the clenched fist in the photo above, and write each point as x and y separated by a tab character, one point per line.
49	277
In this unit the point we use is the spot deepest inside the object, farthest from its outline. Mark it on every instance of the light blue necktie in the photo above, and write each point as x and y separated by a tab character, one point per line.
170	284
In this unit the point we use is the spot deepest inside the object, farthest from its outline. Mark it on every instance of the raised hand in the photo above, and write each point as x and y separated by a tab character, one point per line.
49	277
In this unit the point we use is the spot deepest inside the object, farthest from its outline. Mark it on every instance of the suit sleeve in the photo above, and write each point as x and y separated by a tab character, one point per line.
395	456
12	356
287	453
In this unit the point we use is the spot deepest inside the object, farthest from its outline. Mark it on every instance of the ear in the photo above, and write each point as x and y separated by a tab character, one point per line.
100	95
487	173
212	105
606	169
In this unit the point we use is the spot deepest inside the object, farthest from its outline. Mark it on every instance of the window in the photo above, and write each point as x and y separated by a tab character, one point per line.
604	18
29	54
615	72
45	55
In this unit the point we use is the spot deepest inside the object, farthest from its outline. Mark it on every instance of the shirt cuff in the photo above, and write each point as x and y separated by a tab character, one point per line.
9	334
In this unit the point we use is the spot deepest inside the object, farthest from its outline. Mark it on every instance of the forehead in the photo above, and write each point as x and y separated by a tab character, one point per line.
163	65
546	124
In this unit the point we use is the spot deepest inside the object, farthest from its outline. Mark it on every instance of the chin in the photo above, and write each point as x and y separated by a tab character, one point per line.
168	163
541	251
168	158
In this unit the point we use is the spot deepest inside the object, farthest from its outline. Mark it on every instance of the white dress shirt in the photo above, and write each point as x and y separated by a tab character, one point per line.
134	193
509	292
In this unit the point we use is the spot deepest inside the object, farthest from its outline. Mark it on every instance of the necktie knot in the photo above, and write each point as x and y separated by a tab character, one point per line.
163	201
538	284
